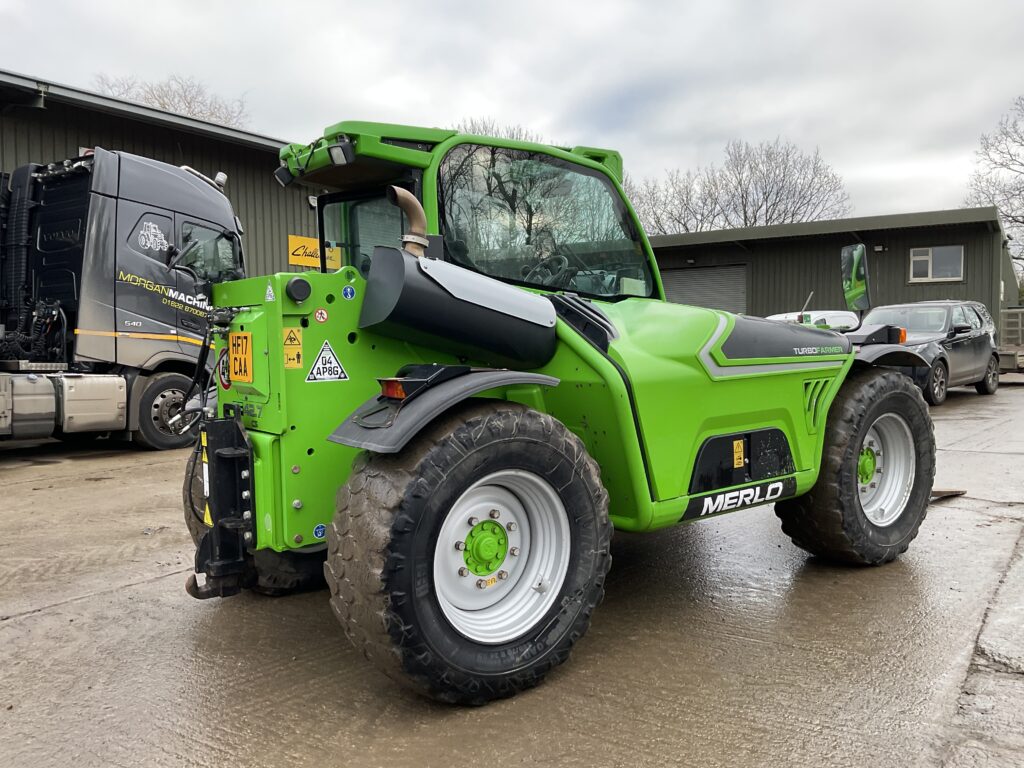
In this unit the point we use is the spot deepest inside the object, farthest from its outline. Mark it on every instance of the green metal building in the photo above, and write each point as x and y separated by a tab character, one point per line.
955	254
42	122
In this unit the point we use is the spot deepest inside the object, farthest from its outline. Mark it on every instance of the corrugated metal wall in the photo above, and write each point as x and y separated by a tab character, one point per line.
723	287
268	212
783	272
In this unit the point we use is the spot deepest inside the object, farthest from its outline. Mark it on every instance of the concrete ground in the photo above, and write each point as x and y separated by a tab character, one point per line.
718	644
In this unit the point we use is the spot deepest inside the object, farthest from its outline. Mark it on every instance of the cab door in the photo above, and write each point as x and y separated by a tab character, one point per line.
960	346
145	319
981	341
210	255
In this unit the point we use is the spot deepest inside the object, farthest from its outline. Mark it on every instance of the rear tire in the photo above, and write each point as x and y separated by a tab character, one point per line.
938	384
989	384
162	399
856	512
443	619
272	573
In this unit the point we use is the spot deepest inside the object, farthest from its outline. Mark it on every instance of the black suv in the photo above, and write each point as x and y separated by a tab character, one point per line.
957	338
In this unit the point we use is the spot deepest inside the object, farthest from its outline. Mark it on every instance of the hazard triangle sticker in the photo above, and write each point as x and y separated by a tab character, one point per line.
327	367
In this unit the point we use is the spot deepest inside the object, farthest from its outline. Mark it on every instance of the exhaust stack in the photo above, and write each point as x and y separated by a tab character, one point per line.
415	240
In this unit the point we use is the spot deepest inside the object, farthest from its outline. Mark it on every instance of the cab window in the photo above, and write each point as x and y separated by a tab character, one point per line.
959	316
356	226
972	318
212	254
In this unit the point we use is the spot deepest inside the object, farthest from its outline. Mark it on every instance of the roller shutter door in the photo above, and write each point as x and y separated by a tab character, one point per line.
713	287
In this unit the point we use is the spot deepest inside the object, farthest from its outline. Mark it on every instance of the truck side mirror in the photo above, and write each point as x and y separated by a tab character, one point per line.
175	256
854	268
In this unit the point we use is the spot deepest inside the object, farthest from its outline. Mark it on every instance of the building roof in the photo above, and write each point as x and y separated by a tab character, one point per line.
987	215
37	92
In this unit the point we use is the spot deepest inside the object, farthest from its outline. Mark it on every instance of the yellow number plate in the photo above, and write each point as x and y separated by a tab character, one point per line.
240	357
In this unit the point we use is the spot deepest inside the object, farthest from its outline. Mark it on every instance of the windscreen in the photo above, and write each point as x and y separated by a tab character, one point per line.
914	319
536	220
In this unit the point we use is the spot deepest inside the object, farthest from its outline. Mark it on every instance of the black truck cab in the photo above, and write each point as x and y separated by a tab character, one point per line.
105	262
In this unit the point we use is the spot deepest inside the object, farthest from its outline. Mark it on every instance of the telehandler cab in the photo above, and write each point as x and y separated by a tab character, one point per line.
448	431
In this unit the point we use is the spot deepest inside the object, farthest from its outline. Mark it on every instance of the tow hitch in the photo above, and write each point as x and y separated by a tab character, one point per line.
223	554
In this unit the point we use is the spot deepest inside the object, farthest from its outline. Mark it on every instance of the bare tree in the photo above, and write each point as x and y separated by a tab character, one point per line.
773	182
488	126
998	178
177	93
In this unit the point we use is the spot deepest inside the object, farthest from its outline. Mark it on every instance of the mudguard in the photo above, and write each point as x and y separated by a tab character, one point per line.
889	354
385	426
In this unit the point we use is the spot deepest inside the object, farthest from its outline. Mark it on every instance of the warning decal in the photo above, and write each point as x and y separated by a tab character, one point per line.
292	345
327	367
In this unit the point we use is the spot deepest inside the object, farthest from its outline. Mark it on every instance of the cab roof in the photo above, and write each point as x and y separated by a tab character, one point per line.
386	150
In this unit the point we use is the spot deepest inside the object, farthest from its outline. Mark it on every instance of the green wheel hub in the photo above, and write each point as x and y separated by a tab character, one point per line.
486	547
866	465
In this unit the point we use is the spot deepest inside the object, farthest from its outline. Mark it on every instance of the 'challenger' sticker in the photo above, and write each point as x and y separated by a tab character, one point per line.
726	501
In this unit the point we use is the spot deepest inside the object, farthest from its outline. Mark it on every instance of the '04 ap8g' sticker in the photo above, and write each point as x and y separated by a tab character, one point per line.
327	366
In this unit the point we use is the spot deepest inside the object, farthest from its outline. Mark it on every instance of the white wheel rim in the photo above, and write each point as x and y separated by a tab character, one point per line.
536	525
884	496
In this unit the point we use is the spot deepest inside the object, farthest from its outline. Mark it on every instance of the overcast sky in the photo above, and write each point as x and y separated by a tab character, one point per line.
894	93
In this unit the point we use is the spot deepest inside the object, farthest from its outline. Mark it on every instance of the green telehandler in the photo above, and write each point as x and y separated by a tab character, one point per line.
448	427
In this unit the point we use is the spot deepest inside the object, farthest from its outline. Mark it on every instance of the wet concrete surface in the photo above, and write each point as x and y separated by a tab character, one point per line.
718	644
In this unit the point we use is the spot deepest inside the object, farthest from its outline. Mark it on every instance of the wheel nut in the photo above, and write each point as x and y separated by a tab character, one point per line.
463	571
460	545
495	514
473	521
514	551
502	575
512	525
481	584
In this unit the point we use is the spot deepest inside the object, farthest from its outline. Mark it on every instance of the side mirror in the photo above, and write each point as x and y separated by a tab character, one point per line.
961	328
854	269
175	256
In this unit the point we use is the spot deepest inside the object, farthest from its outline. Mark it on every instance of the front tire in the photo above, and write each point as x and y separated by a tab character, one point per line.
989	384
876	475
467	565
162	399
938	384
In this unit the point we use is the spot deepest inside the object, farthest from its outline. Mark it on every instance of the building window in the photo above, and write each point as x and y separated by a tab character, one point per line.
943	263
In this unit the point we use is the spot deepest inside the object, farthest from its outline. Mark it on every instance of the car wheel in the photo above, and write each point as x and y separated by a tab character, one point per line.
938	384
989	384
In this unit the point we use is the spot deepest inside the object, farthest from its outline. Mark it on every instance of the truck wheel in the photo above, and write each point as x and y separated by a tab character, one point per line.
163	398
989	384
273	573
467	565
938	384
876	474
